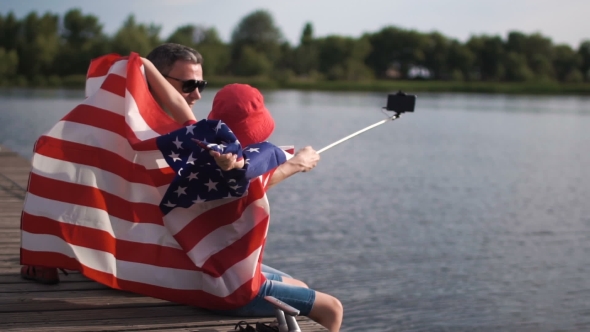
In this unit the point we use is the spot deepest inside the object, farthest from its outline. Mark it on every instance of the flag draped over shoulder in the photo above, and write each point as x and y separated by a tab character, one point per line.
95	191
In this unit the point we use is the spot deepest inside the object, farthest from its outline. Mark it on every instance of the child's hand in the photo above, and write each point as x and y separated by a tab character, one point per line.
305	159
227	161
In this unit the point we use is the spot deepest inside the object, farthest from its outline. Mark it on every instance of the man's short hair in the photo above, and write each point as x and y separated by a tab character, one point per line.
164	56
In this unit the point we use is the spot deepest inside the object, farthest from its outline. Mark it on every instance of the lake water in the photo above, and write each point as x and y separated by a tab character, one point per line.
471	214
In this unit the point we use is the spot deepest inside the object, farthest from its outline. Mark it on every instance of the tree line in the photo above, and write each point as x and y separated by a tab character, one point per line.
45	50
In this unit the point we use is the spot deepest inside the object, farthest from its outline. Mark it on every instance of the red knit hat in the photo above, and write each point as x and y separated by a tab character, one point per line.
241	107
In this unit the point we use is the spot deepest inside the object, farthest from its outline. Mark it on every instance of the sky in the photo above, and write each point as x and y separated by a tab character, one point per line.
564	21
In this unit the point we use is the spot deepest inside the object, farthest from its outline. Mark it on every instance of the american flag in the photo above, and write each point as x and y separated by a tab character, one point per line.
94	194
198	178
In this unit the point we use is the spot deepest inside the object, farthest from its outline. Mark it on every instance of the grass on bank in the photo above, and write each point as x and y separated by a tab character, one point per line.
540	88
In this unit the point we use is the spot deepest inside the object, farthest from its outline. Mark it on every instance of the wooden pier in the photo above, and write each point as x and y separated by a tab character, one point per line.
78	303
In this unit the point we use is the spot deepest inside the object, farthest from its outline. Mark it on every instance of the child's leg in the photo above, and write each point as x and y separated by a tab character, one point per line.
327	310
322	308
274	274
268	269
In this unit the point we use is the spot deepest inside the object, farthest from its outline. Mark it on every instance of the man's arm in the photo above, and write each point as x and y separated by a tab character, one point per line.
303	161
167	95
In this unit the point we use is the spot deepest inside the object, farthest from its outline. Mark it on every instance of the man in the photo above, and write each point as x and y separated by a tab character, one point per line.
181	66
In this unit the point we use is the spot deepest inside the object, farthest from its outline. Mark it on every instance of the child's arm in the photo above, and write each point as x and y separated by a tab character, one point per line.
167	95
303	161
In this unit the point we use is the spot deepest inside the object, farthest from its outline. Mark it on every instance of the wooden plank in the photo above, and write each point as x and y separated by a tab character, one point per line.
75	300
61	287
15	278
184	323
225	324
90	314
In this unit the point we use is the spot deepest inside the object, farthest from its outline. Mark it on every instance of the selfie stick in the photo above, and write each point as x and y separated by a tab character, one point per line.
395	116
397	102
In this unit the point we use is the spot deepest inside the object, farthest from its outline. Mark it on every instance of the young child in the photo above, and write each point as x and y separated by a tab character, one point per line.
241	107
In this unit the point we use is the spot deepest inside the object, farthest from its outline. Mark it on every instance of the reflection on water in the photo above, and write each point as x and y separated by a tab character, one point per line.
469	215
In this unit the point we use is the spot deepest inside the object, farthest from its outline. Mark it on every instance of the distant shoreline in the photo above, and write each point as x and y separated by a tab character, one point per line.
521	88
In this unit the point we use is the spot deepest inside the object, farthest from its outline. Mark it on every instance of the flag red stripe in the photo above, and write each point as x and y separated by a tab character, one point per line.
99	118
92	197
188	297
149	109
100	66
87	237
103	159
115	84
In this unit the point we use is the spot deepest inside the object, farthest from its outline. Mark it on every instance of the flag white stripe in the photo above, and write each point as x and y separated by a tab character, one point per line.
145	273
66	171
98	219
107	101
93	84
135	121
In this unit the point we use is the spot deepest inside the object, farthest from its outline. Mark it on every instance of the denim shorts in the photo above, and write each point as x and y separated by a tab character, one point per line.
300	298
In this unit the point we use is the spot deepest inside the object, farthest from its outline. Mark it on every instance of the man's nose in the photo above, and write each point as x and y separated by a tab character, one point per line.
195	94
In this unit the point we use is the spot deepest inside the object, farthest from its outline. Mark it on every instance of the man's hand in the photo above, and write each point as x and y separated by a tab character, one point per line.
227	161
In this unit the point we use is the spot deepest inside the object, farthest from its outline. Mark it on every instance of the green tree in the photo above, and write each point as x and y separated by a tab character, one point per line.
83	41
215	52
537	50
436	55
134	37
9	31
566	62
252	63
207	42
305	56
517	68
38	45
8	64
489	53
460	61
343	58
395	47
584	53
258	32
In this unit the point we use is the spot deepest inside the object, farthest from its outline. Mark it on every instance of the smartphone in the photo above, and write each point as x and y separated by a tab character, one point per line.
400	102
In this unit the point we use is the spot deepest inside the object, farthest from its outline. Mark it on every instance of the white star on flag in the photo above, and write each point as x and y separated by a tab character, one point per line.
198	200
177	143
174	156
254	150
219	124
189	129
211	185
191	160
170	204
193	176
180	191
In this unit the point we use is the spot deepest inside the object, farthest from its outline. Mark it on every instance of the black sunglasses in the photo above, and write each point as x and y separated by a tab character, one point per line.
189	86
